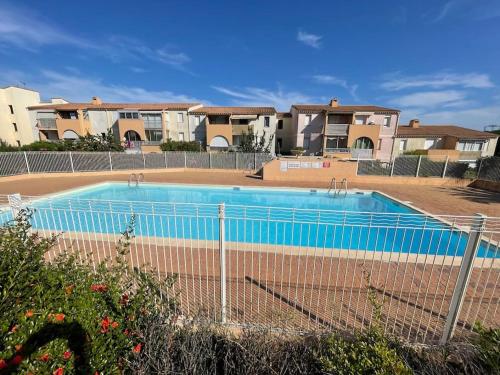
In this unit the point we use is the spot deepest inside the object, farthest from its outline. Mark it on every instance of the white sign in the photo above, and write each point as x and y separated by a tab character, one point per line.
293	164
283	166
305	164
317	165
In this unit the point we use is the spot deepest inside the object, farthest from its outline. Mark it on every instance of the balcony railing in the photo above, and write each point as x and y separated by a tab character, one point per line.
337	150
47	123
361	153
336	129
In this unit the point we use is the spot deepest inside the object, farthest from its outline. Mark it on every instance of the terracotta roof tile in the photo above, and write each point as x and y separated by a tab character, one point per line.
442	131
117	106
341	108
235	110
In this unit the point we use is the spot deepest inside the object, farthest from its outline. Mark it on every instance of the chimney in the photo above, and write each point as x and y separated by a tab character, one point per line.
415	123
96	100
334	102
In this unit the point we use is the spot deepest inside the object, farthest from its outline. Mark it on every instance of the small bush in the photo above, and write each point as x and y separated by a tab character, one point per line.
171	145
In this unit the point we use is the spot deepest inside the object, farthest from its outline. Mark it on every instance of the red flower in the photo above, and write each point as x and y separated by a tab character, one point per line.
16	360
126	332
115	324
44	357
59	371
18	347
28	314
14	328
105	324
100	288
137	348
3	364
59	317
67	355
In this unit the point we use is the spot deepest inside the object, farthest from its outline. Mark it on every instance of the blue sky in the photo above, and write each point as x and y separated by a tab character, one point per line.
435	60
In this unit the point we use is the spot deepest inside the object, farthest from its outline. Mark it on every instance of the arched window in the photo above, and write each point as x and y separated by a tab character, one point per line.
70	134
219	142
132	136
363	143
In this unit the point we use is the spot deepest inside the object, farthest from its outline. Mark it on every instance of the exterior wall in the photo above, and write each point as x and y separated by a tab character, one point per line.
490	150
174	127
81	126
359	131
102	120
198	132
223	130
286	135
314	129
270	132
412	144
329	169
19	99
136	125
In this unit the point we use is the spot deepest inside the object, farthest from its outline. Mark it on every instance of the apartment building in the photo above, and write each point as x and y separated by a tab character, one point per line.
347	131
443	141
284	132
15	124
223	127
138	125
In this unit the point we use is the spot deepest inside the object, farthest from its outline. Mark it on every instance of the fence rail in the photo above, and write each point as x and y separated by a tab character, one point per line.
296	269
14	163
423	166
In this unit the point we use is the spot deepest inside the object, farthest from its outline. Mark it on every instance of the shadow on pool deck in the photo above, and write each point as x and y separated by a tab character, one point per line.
473	195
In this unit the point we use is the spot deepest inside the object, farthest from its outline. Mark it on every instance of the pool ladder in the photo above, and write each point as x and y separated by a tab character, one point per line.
333	187
135	178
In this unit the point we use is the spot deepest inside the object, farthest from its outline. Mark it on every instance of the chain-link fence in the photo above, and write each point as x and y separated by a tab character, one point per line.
423	166
14	163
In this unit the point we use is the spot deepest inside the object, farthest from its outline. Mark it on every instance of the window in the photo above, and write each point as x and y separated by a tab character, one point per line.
403	144
180	117
307	141
129	115
181	137
219	119
18	143
387	121
430	143
336	142
280	124
69	115
154	135
11	109
470	145
364	143
308	119
360	119
197	120
152	120
15	126
266	121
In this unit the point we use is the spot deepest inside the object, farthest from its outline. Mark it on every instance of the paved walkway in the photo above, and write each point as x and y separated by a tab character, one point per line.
451	200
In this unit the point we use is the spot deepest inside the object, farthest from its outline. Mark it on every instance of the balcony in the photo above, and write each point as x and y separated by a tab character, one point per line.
241	129
47	124
336	129
349	153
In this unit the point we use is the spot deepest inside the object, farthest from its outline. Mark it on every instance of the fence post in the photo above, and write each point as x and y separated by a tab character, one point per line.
236	160
165	155
110	162
445	167
479	168
71	162
143	159
209	160
418	165
254	161
222	253
357	166
185	160
27	164
392	166
463	278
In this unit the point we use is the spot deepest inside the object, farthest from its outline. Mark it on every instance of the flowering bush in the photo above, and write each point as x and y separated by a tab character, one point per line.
62	317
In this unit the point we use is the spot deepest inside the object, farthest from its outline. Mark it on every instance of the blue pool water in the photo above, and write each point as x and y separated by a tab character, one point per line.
298	217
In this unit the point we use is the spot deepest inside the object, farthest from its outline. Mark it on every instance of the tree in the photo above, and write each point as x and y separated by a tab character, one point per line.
251	142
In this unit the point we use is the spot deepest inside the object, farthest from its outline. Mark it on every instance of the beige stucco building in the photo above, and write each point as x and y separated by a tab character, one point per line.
15	124
444	141
348	131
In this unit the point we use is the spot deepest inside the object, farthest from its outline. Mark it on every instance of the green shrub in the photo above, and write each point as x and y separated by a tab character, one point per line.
171	145
58	314
487	344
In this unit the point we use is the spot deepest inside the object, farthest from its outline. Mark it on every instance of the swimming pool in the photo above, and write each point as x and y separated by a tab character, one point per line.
310	218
